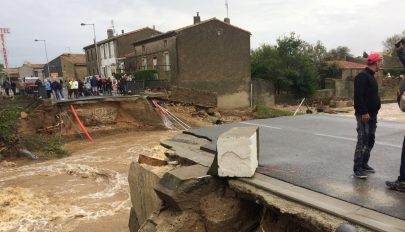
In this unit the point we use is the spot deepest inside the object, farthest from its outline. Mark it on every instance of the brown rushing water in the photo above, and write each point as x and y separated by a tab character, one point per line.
87	191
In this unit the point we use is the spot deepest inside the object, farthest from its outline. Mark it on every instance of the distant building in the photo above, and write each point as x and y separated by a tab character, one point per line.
348	69
211	56
112	51
68	66
31	70
10	74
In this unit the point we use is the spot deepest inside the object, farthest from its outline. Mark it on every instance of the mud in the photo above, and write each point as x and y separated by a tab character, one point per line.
87	191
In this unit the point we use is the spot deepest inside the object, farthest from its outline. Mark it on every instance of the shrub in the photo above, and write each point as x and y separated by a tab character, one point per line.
265	112
146	75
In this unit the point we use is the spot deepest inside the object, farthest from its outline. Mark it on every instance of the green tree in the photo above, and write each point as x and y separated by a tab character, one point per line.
339	53
290	65
265	65
389	43
365	55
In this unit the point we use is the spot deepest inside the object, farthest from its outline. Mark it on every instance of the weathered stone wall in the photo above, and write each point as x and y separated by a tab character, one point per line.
263	92
142	181
166	68
344	89
124	42
389	88
215	57
192	96
324	94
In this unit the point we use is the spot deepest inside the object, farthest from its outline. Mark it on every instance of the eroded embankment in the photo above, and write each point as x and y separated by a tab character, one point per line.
180	196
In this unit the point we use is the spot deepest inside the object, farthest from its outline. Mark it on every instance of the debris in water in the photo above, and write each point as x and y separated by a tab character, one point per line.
28	154
7	164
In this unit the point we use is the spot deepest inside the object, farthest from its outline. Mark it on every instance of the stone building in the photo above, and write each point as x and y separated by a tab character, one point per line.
10	74
209	56
31	70
112	51
67	66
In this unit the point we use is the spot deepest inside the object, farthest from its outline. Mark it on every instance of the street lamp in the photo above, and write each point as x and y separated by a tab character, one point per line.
46	54
95	44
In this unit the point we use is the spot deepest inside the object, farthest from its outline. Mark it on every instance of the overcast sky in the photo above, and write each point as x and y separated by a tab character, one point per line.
361	25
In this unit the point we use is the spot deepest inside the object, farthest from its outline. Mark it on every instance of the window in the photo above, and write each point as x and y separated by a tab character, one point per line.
144	63
167	61
154	61
109	49
88	55
165	43
104	51
143	49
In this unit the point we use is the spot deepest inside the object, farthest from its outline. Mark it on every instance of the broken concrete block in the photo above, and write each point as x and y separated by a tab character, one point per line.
143	159
237	152
182	188
143	197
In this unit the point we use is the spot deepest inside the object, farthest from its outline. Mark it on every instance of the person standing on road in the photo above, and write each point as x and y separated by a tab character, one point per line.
399	184
47	85
55	89
13	87
60	90
6	87
366	105
70	88
75	88
94	85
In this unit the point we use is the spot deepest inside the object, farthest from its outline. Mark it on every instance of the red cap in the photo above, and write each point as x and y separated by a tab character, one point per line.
373	57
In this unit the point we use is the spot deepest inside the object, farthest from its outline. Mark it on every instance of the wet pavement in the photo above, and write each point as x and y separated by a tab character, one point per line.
316	152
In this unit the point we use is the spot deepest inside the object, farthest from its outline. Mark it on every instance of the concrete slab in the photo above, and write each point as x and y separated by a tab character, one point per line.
316	152
238	152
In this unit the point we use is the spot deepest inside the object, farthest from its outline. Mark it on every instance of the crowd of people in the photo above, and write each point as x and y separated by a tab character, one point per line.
7	86
76	88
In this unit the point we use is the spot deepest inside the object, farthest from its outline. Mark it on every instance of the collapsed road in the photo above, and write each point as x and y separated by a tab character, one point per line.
316	152
305	161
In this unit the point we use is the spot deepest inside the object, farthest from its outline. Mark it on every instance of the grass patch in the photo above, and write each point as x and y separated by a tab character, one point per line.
45	147
265	112
8	124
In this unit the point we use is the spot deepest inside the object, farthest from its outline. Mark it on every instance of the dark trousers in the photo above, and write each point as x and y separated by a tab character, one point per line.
401	176
365	140
401	56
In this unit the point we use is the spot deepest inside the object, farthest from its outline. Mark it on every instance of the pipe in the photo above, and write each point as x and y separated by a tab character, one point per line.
299	106
81	124
251	94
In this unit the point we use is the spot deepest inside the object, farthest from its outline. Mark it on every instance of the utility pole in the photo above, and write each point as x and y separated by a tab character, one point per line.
3	44
227	7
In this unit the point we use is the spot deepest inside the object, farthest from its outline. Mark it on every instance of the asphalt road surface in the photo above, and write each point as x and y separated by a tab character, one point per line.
316	152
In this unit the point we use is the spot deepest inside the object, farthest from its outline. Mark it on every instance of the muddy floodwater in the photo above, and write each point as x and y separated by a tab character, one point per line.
87	191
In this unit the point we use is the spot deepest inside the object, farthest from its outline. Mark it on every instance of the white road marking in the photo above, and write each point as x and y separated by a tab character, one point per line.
254	124
355	140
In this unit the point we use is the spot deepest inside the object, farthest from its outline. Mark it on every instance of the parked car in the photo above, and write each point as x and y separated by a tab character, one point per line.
28	84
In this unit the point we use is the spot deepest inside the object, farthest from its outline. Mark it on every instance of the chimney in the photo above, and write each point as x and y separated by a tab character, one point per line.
122	31
153	27
227	20
197	18
110	33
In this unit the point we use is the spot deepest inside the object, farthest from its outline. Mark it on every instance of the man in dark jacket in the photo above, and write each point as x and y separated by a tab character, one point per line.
366	104
6	87
399	184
